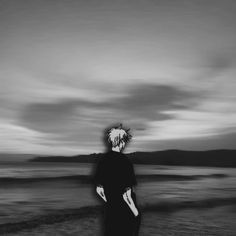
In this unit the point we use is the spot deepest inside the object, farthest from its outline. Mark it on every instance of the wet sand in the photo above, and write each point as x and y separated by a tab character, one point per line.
45	201
217	221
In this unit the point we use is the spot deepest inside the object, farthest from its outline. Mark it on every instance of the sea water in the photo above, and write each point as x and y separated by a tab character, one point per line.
31	189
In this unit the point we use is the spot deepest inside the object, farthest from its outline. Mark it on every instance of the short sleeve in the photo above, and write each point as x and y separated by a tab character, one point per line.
98	176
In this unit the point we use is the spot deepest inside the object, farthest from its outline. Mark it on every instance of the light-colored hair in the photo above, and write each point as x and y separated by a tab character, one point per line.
116	135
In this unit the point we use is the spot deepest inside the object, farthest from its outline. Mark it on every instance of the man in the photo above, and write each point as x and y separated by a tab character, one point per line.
115	180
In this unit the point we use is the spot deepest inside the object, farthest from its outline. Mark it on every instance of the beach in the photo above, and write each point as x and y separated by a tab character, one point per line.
212	222
59	199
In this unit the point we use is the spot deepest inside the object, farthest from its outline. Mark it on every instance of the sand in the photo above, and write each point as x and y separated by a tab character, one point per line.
218	221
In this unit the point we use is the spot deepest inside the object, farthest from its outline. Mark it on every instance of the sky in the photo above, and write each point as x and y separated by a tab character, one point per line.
71	68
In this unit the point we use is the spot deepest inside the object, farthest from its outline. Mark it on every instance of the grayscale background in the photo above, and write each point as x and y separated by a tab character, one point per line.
164	68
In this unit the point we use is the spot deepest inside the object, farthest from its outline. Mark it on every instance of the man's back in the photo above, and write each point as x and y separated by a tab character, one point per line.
115	173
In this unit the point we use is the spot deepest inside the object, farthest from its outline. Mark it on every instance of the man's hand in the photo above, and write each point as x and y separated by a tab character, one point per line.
128	199
100	192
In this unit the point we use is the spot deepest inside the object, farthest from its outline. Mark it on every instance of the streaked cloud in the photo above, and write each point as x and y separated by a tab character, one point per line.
68	69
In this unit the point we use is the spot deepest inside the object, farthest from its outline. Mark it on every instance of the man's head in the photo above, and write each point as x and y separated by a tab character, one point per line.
118	137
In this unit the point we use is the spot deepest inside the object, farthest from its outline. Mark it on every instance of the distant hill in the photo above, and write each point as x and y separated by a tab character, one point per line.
7	157
216	158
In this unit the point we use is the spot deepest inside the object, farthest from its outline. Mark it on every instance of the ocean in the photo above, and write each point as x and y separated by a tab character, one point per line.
39	192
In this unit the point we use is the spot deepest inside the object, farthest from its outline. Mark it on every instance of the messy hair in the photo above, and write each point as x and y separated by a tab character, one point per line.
116	135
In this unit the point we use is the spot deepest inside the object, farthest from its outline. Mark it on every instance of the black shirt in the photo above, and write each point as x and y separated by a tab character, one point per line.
115	173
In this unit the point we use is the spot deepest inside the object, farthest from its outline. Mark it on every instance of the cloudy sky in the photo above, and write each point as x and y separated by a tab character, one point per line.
70	68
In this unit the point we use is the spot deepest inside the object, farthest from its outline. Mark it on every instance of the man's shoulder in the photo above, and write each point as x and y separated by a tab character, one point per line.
111	155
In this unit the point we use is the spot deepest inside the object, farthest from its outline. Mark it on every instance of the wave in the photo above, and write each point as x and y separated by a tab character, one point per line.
168	177
17	180
86	179
95	211
56	217
196	204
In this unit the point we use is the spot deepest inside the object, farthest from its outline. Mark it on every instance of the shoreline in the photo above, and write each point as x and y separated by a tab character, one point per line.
94	212
220	221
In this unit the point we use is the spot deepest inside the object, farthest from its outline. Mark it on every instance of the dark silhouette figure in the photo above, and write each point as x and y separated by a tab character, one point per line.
115	181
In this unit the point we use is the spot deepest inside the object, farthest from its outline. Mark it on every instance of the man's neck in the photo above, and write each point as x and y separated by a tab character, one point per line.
115	149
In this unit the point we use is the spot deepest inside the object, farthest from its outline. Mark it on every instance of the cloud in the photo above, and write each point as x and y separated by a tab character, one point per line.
221	62
68	71
16	138
48	117
19	139
76	122
224	141
192	124
141	102
217	63
147	100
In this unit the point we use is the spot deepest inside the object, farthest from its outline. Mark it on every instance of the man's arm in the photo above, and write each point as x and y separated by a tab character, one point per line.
128	199
100	192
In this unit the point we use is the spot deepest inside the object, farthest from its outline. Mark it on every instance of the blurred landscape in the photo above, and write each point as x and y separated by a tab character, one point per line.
71	69
51	196
217	158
